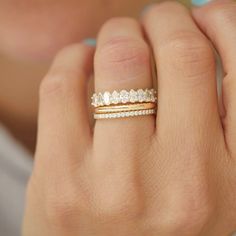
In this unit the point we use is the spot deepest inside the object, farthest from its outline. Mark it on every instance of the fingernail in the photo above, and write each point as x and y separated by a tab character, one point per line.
90	42
200	3
146	9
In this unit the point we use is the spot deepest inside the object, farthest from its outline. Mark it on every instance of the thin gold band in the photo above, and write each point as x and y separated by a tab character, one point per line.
127	114
125	108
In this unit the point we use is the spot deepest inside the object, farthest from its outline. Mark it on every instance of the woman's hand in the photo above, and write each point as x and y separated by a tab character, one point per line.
173	175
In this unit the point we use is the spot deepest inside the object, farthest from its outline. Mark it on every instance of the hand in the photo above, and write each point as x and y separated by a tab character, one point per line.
173	175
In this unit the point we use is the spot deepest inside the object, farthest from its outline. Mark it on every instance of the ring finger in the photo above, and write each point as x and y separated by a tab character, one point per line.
122	62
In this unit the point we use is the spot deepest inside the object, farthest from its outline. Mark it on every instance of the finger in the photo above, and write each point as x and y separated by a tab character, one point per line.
186	71
63	114
122	61
187	112
218	22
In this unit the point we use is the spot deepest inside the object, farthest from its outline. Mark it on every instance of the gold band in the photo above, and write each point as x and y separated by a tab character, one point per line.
125	108
127	114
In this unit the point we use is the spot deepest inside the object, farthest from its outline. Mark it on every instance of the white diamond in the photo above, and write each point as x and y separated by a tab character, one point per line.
153	95
100	100
124	96
115	97
94	100
133	96
141	95
106	98
148	95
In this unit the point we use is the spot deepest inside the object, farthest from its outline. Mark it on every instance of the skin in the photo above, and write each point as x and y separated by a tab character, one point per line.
173	174
169	175
31	33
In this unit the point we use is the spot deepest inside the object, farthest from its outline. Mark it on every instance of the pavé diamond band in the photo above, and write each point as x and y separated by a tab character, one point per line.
123	97
125	114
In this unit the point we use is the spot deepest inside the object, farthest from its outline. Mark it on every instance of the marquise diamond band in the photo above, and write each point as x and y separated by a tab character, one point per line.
123	104
123	97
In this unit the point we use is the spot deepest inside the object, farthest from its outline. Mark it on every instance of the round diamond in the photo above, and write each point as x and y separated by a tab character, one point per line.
124	96
106	98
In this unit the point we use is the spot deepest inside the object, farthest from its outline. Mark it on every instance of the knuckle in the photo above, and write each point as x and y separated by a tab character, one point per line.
60	211
117	210
189	211
224	12
59	82
114	22
120	204
191	54
166	7
122	53
62	207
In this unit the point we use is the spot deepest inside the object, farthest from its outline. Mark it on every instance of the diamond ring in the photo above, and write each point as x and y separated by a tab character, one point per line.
125	114
124	103
123	97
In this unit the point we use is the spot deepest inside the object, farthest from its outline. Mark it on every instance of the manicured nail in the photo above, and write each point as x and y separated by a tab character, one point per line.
146	9
200	3
90	42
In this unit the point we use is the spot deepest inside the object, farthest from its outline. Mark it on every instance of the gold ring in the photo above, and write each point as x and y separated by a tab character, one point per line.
127	114
125	108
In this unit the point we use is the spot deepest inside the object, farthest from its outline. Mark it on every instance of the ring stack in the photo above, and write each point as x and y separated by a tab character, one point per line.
124	103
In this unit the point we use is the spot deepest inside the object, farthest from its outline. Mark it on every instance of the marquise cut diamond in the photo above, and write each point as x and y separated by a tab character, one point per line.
115	98
124	96
141	95
133	96
106	98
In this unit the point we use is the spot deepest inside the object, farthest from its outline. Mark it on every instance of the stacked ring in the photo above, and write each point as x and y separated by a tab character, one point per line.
124	103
